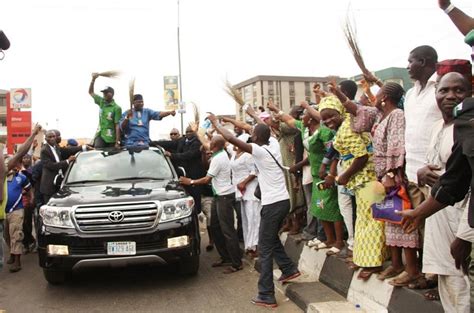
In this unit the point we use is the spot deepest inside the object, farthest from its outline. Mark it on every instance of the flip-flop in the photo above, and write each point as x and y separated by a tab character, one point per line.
432	295
313	242
404	280
321	246
221	263
389	272
232	269
365	273
333	251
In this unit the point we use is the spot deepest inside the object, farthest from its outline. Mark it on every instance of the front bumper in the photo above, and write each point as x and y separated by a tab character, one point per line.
91	250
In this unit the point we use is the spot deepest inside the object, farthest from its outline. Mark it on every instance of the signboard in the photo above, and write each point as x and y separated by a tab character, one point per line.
18	128
171	92
20	98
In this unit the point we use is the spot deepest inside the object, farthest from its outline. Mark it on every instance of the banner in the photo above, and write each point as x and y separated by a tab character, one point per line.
20	98
171	92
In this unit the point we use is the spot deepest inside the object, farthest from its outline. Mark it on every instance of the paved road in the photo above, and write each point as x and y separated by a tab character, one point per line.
142	289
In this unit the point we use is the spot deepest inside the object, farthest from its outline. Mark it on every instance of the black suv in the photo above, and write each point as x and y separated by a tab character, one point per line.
116	208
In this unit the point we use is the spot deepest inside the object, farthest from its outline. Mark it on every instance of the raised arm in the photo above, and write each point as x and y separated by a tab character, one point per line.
312	112
229	136
167	113
251	112
461	20
286	118
350	106
237	123
23	150
91	86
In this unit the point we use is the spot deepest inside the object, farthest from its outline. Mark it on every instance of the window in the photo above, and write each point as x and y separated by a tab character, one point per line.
307	91
271	90
292	89
292	101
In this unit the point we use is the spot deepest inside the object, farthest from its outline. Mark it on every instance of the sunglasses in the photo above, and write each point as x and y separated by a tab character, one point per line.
174	134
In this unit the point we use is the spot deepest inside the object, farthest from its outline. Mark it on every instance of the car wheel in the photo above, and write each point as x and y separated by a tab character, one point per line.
54	277
189	266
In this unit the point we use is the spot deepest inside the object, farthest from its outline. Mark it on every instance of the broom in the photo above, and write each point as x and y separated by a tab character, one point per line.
131	90
234	93
110	74
350	33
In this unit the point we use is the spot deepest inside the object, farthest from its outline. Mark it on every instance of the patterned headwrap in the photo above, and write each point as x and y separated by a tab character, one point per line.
462	67
331	102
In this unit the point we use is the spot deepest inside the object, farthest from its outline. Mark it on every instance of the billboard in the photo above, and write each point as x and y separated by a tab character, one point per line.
171	92
20	98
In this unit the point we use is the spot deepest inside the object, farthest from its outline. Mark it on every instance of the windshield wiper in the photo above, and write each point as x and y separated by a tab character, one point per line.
138	178
87	181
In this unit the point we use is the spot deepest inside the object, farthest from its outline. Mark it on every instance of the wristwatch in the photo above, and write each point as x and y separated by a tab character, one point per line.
192	182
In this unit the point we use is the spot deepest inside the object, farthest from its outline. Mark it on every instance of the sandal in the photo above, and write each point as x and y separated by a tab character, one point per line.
313	242
404	280
423	284
232	269
351	265
333	251
365	273
432	295
320	246
389	272
221	263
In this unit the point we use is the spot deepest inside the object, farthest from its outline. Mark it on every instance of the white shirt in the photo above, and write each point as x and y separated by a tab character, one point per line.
421	113
441	227
270	175
55	153
219	170
242	167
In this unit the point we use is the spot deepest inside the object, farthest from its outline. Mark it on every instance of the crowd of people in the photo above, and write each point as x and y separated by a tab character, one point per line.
315	171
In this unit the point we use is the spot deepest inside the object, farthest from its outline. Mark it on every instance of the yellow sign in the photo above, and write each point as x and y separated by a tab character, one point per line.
171	92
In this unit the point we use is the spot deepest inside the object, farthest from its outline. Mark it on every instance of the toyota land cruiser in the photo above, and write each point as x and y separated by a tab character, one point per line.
116	208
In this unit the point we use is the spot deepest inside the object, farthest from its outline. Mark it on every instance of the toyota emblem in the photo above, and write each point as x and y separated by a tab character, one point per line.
116	216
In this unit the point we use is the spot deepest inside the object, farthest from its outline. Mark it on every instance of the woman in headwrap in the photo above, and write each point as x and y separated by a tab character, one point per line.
386	122
356	155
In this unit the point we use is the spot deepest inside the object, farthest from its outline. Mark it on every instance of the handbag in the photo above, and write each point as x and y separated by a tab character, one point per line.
396	200
258	192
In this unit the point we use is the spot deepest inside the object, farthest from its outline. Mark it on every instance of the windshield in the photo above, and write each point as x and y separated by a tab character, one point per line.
119	165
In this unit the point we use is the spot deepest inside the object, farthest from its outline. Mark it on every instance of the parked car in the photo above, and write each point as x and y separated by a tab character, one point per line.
118	207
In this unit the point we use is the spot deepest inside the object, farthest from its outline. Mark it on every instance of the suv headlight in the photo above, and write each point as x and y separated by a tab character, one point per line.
56	216
176	209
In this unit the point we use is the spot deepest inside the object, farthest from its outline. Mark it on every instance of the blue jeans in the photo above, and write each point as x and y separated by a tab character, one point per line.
270	247
1	244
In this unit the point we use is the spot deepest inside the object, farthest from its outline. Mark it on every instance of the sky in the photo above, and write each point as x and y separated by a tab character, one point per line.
57	44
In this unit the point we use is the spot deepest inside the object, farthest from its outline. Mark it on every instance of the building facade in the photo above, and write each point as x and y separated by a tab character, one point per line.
3	116
286	91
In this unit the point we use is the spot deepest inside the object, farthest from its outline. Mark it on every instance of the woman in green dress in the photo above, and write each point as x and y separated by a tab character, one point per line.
324	205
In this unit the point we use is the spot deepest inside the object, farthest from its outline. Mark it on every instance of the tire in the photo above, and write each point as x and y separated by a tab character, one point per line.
54	277
189	266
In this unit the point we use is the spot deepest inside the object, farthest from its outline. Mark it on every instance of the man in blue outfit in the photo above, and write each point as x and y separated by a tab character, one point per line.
135	123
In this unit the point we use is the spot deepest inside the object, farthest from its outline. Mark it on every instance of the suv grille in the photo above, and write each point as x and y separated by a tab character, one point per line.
116	217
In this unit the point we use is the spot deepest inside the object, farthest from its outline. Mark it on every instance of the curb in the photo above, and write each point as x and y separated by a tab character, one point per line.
370	296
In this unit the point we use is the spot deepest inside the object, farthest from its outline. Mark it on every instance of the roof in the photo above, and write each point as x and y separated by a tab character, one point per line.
285	78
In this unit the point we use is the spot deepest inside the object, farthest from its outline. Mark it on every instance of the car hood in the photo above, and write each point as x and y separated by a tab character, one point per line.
118	192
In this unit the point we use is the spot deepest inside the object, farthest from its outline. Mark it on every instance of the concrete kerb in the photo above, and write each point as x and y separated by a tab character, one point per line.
370	296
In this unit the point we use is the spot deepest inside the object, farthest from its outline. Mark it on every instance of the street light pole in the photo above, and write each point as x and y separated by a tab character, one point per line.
179	77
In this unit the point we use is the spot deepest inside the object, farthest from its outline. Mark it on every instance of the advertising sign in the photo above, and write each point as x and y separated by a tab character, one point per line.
171	92
20	98
18	128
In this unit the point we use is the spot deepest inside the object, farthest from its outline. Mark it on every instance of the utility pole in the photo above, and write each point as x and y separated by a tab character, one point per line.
179	77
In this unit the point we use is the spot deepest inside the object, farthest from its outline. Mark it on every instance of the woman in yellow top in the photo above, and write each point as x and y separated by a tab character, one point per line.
355	150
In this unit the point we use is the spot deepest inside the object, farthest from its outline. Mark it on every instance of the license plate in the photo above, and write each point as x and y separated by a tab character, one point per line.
121	248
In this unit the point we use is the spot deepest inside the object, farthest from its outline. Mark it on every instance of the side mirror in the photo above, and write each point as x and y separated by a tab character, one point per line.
181	171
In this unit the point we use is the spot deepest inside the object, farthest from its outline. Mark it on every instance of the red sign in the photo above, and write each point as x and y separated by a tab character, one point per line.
18	127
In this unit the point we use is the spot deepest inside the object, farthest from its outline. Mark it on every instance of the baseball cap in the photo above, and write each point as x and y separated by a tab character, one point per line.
72	142
108	89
